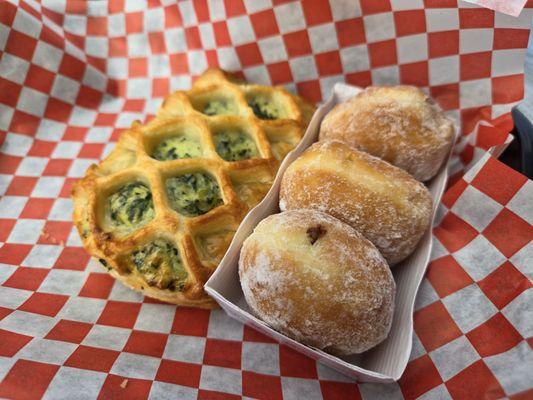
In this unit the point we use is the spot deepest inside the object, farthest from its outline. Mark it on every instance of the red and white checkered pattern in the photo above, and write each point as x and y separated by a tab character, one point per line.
73	74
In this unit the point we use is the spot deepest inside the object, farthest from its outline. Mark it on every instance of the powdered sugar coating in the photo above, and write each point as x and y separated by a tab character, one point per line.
398	124
335	294
384	203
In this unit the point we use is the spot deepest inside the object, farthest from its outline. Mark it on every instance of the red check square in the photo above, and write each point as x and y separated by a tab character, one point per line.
97	286
297	43
461	387
93	358
44	304
179	373
295	364
494	336
39	79
416	74
410	22
280	72
382	53
442	44
316	11
454	233
447	276
425	321
25	278
259	386
20	45
264	23
419	377
119	313
339	390
33	376
475	65
69	331
119	387
251	335
329	63
508	232
504	284
350	32
146	343
11	342
223	353
447	96
190	321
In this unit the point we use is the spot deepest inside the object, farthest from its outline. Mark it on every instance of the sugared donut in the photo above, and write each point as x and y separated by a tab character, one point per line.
387	205
399	124
318	281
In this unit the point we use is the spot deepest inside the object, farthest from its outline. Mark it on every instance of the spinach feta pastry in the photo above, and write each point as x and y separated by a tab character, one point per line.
176	148
235	146
161	210
193	194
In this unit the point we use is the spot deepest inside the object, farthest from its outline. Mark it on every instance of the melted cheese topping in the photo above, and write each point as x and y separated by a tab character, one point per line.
131	206
235	146
176	148
193	194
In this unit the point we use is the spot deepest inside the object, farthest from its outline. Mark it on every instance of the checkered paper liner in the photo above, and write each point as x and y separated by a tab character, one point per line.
73	74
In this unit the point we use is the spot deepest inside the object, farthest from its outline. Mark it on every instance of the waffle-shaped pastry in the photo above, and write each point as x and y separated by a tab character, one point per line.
161	210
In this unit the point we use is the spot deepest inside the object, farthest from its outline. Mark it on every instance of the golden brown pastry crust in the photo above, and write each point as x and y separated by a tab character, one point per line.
381	201
318	281
201	240
399	124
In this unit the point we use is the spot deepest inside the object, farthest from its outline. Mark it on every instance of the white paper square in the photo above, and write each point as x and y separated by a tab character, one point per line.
61	210
188	13
116	25
469	307
323	38
26	231
32	102
386	75
155	318
68	150
412	48
520	314
257	74
454	357
227	58
290	17
272	49
74	383
47	351
508	62
240	30
5	181
387	391
76	24
479	258
399	5
136	366
42	255
355	58
207	36
442	19
12	206
14	68
342	10
217	10
63	281
107	337
6	116
303	68
50	130
426	295
521	203
175	40
96	46
27	24
138	88
522	260
299	388
138	45
253	6
262	358
327	83
82	309
94	78
443	70
154	19
512	368
475	40
379	27
188	349
220	379
13	298
27	323
221	326
65	89
82	116
79	166
99	134
197	61
16	145
168	391
476	208
158	66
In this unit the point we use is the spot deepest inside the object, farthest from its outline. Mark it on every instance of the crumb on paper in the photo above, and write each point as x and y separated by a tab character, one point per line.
124	384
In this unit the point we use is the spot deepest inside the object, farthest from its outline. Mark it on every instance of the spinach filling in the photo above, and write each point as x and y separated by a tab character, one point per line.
193	194
263	108
177	147
131	205
235	146
220	107
160	264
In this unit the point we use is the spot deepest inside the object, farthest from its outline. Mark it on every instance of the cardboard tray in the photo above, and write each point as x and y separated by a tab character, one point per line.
387	361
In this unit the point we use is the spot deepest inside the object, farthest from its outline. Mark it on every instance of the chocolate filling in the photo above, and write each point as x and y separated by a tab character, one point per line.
315	232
